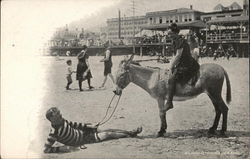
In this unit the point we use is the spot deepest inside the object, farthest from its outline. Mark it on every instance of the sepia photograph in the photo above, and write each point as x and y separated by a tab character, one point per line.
124	79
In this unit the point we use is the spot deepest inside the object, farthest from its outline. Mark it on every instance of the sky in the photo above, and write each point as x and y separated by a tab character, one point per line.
25	21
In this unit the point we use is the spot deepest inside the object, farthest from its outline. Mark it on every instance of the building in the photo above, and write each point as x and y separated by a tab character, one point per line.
129	26
220	11
172	16
228	27
220	14
233	6
245	8
183	17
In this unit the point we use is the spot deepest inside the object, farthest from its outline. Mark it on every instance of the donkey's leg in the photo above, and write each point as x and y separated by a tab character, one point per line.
216	122
162	112
217	115
224	109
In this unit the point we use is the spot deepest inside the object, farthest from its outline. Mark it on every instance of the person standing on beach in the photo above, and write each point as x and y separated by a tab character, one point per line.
69	73
83	68
107	66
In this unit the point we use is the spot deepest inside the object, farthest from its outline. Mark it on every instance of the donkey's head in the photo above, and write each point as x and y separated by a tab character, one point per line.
122	75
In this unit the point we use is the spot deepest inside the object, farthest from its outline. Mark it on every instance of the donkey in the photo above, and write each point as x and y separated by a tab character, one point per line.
210	81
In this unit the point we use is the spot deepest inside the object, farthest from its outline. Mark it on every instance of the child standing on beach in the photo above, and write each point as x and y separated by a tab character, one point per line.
69	73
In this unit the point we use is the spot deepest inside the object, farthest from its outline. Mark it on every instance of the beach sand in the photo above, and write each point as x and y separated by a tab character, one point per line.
188	122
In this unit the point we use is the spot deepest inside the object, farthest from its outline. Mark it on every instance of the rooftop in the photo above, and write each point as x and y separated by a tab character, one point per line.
174	11
126	18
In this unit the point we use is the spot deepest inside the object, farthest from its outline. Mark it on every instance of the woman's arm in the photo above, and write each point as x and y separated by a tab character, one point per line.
106	56
87	70
80	55
176	59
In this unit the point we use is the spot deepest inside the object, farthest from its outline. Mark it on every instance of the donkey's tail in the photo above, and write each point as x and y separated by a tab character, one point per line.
228	96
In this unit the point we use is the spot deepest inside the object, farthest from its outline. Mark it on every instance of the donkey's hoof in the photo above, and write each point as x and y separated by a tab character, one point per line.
161	134
223	135
211	133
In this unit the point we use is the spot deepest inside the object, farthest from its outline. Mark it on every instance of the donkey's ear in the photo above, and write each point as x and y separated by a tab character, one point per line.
125	58
131	58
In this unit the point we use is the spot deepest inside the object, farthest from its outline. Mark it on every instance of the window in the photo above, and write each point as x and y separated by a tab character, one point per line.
185	20
171	21
176	21
190	19
160	20
235	15
150	20
220	16
197	18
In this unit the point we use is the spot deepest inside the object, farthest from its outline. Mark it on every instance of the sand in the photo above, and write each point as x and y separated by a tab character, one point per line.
187	123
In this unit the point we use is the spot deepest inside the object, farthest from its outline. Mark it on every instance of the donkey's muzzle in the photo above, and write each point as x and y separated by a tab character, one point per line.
118	92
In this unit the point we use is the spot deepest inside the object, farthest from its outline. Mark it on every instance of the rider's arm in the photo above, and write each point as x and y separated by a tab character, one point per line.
176	59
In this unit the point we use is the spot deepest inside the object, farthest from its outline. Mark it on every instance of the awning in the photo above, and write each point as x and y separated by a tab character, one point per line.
148	33
184	32
229	20
182	25
144	32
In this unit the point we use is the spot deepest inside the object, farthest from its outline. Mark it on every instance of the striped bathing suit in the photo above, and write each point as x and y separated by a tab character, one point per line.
70	134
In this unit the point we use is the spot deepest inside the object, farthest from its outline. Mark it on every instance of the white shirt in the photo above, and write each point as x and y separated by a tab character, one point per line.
69	70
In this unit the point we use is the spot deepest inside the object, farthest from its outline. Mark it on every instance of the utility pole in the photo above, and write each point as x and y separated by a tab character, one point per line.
133	8
119	24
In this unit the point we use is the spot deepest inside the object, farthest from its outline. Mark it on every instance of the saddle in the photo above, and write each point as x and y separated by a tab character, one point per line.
182	76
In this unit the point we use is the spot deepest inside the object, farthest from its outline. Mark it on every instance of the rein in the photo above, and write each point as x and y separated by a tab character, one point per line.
103	121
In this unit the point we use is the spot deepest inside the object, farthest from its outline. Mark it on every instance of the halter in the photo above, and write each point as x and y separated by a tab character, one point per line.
124	75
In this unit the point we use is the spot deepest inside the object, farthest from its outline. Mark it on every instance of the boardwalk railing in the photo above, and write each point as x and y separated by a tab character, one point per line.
228	38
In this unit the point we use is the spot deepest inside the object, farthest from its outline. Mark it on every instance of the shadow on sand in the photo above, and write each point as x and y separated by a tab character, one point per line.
86	90
198	133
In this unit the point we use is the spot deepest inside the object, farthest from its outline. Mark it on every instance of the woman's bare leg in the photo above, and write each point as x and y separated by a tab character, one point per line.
116	133
104	81
112	78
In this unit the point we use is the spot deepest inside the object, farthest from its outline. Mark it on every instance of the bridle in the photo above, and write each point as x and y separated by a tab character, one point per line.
121	79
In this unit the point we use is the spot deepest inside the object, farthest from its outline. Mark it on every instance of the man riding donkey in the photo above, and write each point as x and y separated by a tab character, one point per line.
183	66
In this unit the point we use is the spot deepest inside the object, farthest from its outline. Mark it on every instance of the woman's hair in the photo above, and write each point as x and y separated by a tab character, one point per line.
174	28
84	47
68	61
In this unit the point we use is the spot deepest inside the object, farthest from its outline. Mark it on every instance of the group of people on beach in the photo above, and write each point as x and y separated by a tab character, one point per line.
83	71
73	134
183	68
